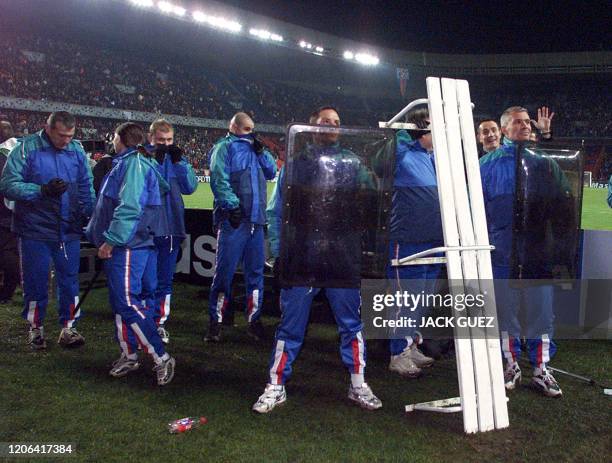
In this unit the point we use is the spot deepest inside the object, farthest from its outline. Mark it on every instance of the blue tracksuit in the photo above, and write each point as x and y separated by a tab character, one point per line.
238	179
295	302
49	228
415	226
126	216
498	172
182	181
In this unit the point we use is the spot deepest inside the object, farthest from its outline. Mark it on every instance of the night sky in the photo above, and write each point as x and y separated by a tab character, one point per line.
451	26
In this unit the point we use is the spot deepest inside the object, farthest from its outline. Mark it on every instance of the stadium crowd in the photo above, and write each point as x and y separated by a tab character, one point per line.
55	70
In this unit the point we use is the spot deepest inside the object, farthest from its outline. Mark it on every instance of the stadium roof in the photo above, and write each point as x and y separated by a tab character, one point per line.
278	48
451	26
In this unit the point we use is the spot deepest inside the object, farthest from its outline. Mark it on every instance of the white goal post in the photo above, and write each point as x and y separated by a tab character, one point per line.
587	179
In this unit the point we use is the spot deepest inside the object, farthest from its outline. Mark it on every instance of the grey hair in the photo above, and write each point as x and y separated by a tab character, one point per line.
506	115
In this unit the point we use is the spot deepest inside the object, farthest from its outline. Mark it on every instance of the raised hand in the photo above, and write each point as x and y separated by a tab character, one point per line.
544	119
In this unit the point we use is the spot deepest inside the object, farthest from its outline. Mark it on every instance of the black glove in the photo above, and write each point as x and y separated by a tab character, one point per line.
160	153
54	189
234	217
258	145
175	153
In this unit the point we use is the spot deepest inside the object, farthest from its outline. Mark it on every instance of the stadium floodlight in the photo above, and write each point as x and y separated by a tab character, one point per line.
319	49
217	22
199	16
348	55
266	35
304	44
366	59
142	3
168	7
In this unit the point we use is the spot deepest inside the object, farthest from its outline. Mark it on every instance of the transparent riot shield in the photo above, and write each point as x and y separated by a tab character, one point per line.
548	203
336	195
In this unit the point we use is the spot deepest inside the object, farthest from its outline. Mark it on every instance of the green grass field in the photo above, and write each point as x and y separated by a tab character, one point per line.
68	396
203	197
596	215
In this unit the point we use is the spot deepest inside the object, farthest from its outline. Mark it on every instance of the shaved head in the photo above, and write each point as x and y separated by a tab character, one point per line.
241	124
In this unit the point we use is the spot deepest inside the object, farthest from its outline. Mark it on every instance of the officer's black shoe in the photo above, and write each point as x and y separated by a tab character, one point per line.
228	319
214	332
256	331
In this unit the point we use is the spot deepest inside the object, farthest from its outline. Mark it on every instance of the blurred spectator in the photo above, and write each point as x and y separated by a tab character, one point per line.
196	141
9	256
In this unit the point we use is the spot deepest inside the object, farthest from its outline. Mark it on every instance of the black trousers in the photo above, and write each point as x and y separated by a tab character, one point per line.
9	263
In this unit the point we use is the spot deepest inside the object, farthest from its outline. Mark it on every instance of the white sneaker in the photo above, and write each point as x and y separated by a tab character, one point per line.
364	396
546	383
165	371
273	395
70	337
512	376
122	366
419	358
404	364
36	339
163	334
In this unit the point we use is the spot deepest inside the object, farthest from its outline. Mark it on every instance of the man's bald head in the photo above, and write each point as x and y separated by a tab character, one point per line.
241	124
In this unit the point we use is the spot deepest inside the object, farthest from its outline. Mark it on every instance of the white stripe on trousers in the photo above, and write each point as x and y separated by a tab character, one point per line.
360	349
545	350
145	342
165	310
126	283
75	315
278	355
122	343
255	302
32	312
220	302
506	347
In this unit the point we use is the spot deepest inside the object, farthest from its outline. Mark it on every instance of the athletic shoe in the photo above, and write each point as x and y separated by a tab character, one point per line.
364	396
123	365
512	376
70	337
273	395
420	360
214	332
165	371
36	339
404	364
546	383
163	334
256	331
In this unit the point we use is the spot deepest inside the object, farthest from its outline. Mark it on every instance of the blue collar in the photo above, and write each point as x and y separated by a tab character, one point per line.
416	145
125	153
508	142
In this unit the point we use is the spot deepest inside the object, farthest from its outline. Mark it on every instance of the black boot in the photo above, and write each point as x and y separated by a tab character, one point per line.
214	332
256	331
